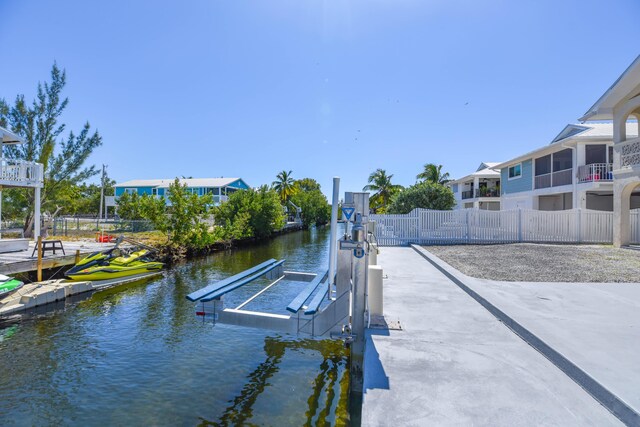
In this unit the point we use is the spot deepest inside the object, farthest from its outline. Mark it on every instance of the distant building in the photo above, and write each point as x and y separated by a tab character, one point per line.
480	190
219	188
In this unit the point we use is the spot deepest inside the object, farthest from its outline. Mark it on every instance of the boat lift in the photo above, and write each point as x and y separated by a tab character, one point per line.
332	303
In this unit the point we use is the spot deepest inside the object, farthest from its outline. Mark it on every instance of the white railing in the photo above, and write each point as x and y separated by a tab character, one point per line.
423	226
19	173
595	172
629	152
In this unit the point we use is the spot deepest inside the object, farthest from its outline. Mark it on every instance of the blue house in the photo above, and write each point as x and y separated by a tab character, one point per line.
220	188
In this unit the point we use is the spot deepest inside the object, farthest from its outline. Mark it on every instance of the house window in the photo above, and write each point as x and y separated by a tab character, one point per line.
154	191
562	160
131	190
515	171
595	154
543	165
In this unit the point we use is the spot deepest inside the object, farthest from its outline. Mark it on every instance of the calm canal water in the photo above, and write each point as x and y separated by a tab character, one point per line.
138	355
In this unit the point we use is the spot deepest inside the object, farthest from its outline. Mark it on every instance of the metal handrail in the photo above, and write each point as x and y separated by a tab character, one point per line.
595	172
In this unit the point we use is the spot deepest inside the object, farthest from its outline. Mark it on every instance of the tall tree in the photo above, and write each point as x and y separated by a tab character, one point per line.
284	185
307	184
433	173
313	204
63	158
380	182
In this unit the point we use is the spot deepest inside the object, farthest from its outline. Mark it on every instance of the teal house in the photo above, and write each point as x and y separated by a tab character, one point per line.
220	188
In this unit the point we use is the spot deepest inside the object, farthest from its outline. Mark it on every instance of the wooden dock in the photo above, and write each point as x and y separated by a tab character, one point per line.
41	293
20	262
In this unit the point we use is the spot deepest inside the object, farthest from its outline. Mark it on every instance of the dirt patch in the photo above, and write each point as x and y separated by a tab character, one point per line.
529	262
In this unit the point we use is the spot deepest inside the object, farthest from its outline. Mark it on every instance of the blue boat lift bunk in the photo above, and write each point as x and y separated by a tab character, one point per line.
305	308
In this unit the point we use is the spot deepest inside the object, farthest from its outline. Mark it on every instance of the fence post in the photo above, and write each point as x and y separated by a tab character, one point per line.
468	227
419	211
579	223
39	262
520	225
55	226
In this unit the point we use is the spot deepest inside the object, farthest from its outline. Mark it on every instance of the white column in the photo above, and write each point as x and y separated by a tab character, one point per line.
620	202
334	231
621	211
36	215
476	186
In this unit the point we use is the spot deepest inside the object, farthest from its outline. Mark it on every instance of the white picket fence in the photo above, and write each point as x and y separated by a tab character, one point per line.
423	226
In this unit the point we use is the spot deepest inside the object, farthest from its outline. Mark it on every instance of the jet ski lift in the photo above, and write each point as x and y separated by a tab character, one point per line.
331	303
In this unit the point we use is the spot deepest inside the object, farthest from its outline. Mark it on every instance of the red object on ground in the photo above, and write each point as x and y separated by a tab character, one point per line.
105	238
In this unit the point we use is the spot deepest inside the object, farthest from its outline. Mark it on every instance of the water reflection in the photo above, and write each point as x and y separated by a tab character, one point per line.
333	370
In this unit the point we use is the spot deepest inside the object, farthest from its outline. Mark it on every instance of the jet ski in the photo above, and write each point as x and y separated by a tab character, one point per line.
8	285
112	264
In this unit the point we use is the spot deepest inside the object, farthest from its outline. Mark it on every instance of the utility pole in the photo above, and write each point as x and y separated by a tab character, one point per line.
102	191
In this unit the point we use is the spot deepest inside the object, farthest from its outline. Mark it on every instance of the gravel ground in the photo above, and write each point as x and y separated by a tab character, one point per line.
529	262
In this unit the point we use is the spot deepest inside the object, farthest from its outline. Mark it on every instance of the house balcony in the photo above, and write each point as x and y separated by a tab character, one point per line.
554	179
467	194
629	152
595	172
488	192
20	173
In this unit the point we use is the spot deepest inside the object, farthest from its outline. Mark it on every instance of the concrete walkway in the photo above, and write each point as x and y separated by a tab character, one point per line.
594	325
454	363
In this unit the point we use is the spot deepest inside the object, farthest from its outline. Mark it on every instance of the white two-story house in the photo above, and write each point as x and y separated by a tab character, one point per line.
574	171
480	190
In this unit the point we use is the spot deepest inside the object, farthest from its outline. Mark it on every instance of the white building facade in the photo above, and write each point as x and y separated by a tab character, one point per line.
19	174
574	171
621	104
479	190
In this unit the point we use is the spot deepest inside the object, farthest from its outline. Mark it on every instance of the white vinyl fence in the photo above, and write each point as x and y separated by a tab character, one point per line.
423	226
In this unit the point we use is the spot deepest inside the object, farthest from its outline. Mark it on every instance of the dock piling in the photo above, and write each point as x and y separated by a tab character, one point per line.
39	265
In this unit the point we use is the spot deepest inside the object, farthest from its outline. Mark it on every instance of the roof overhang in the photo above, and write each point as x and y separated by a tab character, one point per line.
9	137
625	87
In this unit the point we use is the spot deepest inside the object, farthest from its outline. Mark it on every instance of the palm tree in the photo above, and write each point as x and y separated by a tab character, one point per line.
284	186
433	173
380	182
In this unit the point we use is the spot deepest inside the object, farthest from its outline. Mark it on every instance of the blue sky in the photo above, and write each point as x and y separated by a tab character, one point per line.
209	88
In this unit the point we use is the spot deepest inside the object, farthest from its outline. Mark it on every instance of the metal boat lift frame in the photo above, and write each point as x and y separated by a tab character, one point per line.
345	289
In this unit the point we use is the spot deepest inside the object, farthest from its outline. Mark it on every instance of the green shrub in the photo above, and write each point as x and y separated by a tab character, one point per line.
425	195
250	213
